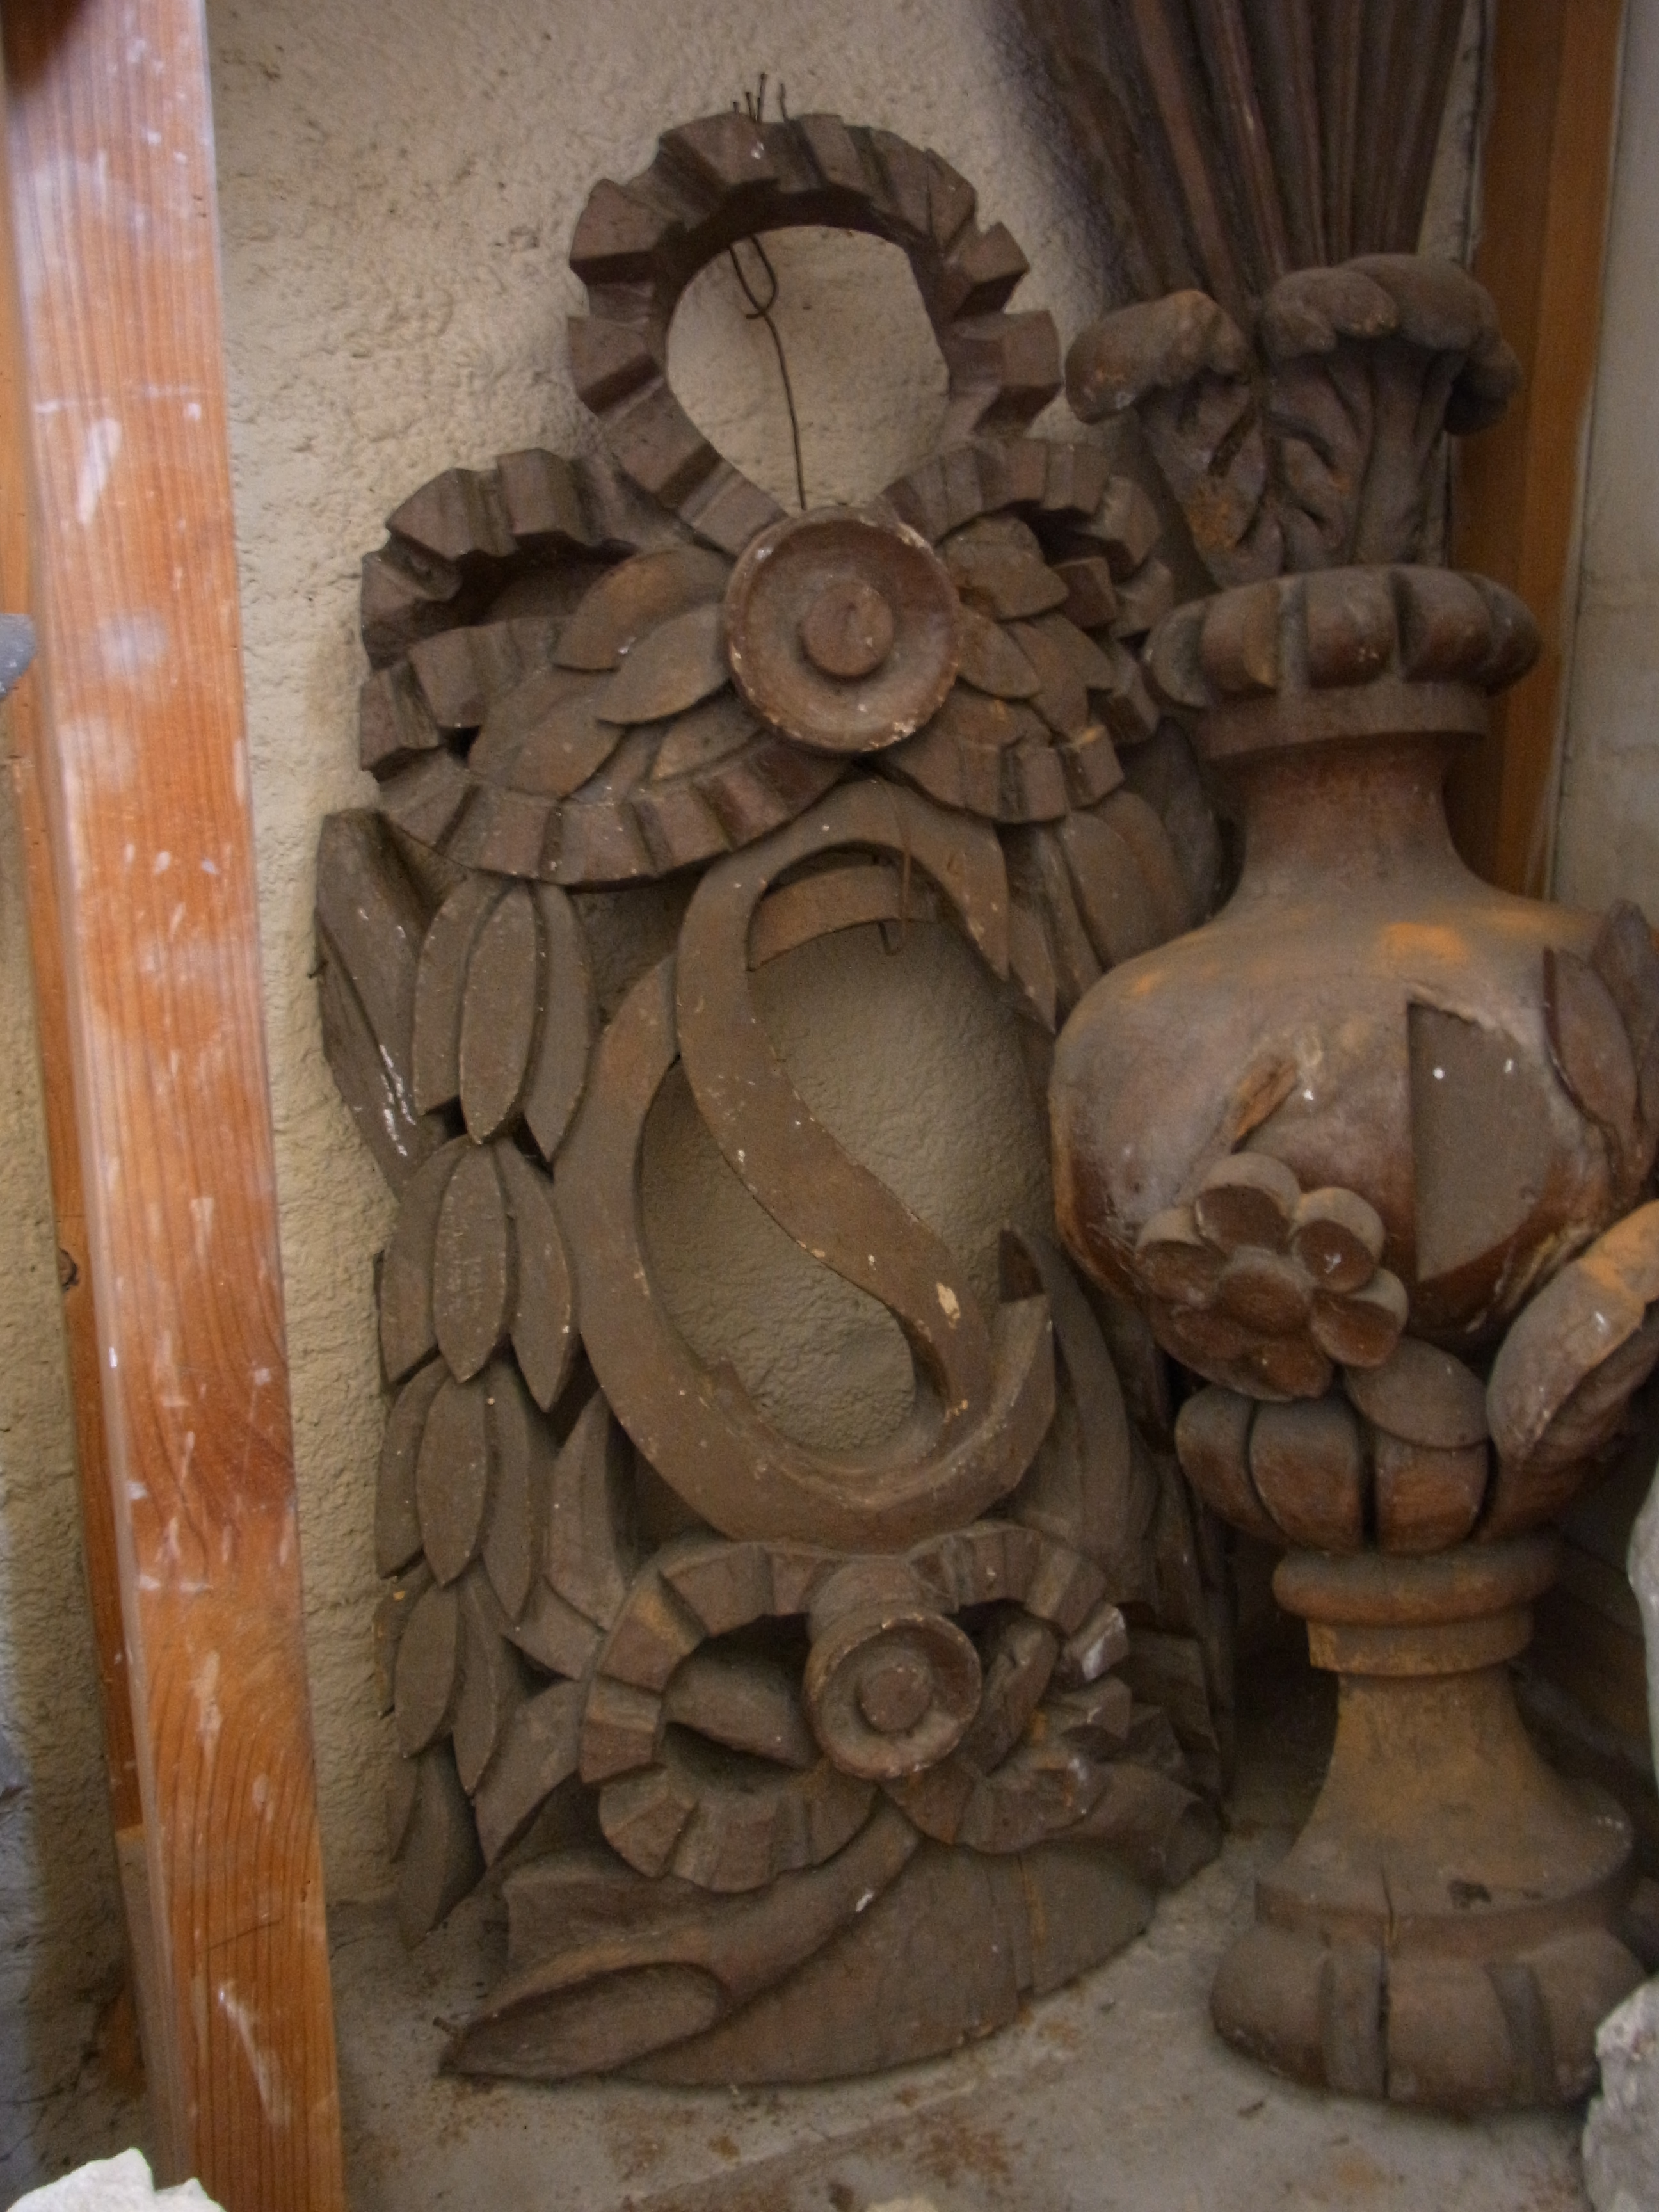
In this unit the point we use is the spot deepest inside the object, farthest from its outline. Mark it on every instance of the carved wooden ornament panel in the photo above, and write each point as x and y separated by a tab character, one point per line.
791	1763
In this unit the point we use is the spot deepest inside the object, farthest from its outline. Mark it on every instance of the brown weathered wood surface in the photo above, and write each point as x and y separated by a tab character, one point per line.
1548	168
144	773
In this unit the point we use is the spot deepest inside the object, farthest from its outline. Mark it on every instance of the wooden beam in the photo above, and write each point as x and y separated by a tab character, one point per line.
1546	177
100	1557
63	1157
142	767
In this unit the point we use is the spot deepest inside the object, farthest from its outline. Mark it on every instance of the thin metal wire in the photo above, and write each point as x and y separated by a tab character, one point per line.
761	311
754	105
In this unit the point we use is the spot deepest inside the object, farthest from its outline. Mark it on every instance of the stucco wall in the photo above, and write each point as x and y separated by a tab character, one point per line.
1608	837
397	184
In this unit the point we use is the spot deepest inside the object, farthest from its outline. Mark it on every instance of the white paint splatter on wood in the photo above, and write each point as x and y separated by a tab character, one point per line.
97	460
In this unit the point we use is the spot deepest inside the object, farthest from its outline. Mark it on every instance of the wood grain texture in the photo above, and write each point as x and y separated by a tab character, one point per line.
144	773
1548	165
51	1023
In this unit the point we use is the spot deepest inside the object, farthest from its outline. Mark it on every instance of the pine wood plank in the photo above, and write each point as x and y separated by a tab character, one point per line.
1547	176
144	773
100	1554
51	1025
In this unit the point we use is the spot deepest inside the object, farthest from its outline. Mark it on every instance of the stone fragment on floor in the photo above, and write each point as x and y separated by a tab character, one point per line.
1114	2093
1621	2136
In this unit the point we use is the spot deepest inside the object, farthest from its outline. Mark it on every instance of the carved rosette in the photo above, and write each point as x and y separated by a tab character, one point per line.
763	1674
624	737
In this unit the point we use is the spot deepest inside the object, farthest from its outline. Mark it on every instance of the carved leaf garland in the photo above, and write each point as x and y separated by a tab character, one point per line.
558	1067
397	1515
551	1632
588	1562
543	1319
515	1532
408	1334
390	1618
453	1472
429	1661
440	983
492	1684
504	1010
368	924
539	1742
474	1265
681	663
991	660
477	1258
636	597
545	737
437	1847
474	1462
501	1012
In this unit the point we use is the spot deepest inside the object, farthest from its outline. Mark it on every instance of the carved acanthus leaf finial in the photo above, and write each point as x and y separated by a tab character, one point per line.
1313	442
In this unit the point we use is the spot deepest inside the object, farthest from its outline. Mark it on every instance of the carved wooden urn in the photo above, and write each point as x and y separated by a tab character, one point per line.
1342	1145
1368	1148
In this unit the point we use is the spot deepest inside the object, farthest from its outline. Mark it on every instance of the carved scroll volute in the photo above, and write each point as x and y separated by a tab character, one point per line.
984	1390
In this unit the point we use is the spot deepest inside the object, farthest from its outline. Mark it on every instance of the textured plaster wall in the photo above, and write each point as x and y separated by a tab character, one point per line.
1607	839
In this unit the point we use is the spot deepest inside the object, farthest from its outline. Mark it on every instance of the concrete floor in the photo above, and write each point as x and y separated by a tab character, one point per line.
66	2095
1112	2096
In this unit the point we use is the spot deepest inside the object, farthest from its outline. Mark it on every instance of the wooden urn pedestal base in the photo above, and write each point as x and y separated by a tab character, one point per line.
1442	1933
